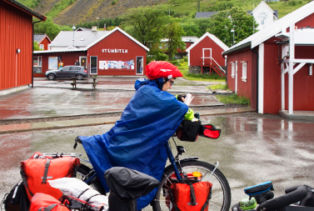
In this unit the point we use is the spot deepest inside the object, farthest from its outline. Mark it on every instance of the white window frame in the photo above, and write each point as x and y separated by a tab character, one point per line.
232	69
41	47
39	61
244	71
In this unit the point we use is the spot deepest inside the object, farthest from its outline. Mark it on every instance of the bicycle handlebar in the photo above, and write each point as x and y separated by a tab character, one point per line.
293	195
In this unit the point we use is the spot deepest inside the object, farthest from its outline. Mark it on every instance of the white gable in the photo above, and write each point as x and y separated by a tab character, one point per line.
263	15
212	37
277	27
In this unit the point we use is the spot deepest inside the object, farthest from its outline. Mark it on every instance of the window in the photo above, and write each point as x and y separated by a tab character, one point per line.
37	65
52	63
37	61
244	71
232	69
41	46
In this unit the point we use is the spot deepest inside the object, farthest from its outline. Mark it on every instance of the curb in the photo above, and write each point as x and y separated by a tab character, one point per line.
61	122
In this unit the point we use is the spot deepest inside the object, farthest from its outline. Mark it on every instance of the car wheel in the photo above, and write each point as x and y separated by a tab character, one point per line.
79	77
51	77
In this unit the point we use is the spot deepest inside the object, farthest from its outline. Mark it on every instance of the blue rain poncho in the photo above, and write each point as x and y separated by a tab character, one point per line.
138	140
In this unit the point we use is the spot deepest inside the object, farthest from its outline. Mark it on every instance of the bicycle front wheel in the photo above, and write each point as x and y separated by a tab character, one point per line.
221	194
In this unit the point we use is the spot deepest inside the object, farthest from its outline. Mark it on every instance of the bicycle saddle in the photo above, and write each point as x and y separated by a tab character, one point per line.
259	188
128	183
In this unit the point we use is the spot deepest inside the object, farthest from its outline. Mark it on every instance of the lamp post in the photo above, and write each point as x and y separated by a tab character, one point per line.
232	31
73	28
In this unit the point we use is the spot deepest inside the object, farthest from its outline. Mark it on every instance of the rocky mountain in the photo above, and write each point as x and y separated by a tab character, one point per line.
68	12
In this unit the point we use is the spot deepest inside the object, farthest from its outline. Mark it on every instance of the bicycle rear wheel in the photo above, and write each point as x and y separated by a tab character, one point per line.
221	194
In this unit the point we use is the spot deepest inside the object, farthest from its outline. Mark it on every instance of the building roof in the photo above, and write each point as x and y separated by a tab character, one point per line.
24	9
276	27
192	39
40	37
205	14
83	40
211	36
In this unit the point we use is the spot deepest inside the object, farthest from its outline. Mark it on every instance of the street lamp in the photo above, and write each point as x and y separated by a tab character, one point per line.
73	28
232	31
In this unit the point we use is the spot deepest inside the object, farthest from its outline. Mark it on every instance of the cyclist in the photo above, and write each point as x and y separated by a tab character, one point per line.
138	140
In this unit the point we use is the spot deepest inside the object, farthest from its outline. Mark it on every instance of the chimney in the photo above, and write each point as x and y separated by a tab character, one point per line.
94	28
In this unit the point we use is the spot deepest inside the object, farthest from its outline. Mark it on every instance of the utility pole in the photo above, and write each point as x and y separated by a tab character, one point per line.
198	5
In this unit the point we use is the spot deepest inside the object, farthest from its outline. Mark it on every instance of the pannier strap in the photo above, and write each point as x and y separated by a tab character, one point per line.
207	200
49	208
44	181
192	195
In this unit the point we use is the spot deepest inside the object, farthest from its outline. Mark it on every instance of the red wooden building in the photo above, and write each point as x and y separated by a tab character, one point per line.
274	67
101	52
42	40
206	55
16	41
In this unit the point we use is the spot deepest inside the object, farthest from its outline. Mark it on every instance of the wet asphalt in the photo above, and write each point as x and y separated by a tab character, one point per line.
252	148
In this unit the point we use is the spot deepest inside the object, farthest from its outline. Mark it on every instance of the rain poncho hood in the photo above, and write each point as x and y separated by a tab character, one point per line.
139	139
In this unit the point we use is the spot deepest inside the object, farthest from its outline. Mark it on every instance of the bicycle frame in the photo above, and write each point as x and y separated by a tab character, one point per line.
173	162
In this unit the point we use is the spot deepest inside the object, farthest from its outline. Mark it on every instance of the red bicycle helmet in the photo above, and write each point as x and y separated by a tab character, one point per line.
162	69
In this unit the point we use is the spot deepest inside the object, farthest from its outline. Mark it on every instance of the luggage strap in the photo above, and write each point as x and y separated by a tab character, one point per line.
87	200
44	178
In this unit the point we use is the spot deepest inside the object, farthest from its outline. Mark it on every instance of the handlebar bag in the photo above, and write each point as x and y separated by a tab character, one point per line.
38	169
190	196
188	130
45	202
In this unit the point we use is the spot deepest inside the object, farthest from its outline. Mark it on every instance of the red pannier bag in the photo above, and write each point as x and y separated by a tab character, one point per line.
190	195
45	202
39	168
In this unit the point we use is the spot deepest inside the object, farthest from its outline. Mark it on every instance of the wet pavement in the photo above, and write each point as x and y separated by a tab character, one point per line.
252	148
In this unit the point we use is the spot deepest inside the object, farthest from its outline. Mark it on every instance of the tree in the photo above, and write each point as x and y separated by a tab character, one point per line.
174	33
145	24
47	27
36	46
232	26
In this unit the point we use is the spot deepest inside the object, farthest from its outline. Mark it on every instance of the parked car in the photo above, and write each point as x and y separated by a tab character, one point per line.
67	72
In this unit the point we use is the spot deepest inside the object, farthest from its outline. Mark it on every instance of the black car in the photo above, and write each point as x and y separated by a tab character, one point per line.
67	72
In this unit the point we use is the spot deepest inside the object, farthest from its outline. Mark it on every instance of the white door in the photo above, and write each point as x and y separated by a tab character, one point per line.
207	55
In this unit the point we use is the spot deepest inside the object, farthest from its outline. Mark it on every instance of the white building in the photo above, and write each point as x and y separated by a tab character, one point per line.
264	15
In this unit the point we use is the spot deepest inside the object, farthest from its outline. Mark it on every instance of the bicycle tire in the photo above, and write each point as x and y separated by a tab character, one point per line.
84	173
221	193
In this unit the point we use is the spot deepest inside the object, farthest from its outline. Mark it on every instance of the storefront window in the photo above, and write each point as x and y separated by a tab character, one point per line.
53	63
37	65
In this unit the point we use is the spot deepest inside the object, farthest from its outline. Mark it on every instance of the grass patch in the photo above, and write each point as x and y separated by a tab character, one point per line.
218	87
233	99
182	64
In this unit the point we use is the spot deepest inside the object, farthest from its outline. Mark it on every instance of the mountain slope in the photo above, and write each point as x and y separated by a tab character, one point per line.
68	12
